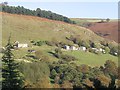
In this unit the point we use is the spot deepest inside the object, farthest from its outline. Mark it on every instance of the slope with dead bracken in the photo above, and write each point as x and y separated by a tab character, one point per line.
25	28
107	30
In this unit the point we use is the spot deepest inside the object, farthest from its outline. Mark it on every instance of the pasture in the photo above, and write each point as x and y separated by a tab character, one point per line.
91	59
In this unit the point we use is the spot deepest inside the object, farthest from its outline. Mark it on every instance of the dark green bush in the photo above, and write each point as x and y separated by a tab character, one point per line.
68	58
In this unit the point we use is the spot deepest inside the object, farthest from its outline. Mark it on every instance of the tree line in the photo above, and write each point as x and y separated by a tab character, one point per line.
38	12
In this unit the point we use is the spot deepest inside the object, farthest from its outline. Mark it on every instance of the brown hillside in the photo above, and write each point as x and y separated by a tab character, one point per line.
107	30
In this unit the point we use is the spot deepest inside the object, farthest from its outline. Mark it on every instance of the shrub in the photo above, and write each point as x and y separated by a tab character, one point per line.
32	41
34	72
113	50
104	43
67	84
91	50
68	58
31	56
83	68
69	43
75	39
107	50
62	44
53	73
38	43
58	51
110	68
50	43
41	56
85	44
107	20
93	45
102	81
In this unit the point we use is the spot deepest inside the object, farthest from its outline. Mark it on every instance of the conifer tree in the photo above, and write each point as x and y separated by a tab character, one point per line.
11	77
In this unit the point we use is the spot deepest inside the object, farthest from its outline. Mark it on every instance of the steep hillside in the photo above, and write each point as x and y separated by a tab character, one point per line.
25	28
51	64
108	30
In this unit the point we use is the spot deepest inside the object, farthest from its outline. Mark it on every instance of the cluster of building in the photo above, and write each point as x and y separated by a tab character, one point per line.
82	48
22	45
66	47
74	48
99	50
16	45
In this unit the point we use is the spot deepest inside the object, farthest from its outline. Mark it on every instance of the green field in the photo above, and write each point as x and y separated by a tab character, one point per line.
91	58
88	58
81	21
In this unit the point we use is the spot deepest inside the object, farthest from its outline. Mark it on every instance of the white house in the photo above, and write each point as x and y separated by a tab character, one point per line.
115	53
96	50
83	48
20	45
100	49
73	48
67	47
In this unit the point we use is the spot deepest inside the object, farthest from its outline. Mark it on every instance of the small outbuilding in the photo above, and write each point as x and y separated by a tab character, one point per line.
20	45
83	48
67	47
73	48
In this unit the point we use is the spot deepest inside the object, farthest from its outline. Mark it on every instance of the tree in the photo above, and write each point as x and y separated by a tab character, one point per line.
101	81
38	12
67	84
53	74
4	3
107	50
107	20
10	73
110	68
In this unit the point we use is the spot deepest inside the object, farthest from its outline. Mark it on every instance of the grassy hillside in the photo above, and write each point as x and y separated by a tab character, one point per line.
25	28
51	64
88	58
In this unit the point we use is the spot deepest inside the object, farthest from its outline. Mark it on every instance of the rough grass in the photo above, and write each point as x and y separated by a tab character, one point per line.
22	52
25	28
